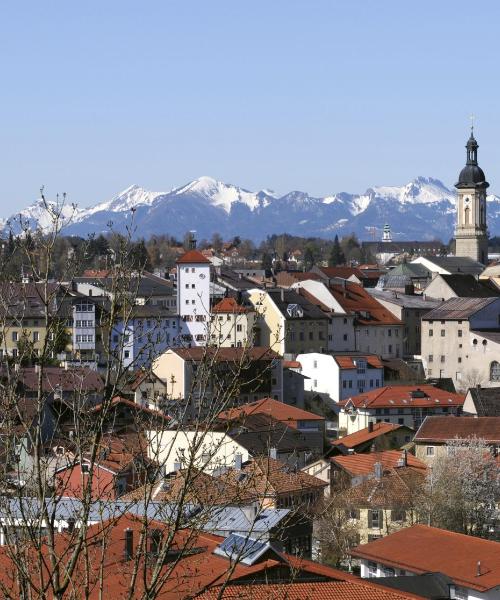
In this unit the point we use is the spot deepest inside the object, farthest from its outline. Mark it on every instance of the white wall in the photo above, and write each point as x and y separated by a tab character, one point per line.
193	302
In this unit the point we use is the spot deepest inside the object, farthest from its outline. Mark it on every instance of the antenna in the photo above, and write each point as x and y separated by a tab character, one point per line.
472	119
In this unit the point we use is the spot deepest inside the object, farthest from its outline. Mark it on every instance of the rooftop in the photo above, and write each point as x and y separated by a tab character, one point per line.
365	435
465	285
486	401
274	408
349	361
230	306
237	354
445	429
423	549
294	305
194	257
404	395
406	300
456	264
458	309
363	464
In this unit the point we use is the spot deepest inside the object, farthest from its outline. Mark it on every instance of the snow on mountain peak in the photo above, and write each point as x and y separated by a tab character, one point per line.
220	194
131	197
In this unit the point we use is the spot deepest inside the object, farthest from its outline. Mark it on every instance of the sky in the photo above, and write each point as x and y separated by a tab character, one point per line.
316	95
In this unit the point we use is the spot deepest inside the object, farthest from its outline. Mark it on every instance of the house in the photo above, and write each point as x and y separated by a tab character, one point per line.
378	436
409	308
385	502
460	285
482	402
367	277
195	561
231	324
205	450
143	332
146	389
143	288
436	433
399	404
351	469
461	340
121	465
198	377
405	277
293	383
447	265
275	484
472	563
288	322
336	377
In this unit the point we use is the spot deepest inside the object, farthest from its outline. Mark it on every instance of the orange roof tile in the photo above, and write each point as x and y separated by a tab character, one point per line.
365	435
422	549
274	408
354	299
405	395
363	464
325	590
193	257
229	305
347	362
444	429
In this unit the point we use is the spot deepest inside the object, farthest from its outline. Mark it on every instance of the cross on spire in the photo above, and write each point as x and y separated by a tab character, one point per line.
472	119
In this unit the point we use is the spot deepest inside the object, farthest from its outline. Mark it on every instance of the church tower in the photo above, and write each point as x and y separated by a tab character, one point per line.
471	233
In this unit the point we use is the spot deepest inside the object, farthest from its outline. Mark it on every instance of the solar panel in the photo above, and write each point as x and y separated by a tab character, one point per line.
242	549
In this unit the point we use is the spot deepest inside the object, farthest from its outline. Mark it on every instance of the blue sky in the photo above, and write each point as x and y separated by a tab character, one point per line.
317	95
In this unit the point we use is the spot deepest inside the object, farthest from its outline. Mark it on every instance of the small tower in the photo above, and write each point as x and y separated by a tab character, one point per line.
386	235
471	235
193	296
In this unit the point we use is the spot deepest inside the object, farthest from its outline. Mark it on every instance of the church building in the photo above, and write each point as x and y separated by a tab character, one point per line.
471	234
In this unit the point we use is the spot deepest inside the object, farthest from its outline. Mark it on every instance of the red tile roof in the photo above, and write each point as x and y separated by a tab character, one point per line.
365	435
325	590
279	411
347	362
423	549
354	299
238	354
229	305
194	257
291	364
405	395
363	464
443	429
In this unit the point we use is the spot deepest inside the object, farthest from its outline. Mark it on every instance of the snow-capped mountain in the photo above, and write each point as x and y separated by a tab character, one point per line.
422	209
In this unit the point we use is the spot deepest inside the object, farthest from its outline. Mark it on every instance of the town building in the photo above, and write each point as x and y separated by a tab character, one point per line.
448	265
472	563
460	285
198	377
408	308
376	437
471	235
287	322
461	340
336	377
436	433
482	402
231	324
193	297
398	404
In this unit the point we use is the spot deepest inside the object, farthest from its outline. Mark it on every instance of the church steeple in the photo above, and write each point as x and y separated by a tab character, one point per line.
471	234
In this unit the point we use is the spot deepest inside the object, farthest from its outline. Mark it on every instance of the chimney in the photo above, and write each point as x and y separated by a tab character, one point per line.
282	294
273	453
478	572
370	427
238	459
378	470
128	550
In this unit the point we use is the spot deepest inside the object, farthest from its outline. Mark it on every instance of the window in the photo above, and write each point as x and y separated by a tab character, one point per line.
85	469
345	337
350	384
239	327
431	357
442	332
193	285
398	515
431	332
344	384
375	519
390	349
429	451
187	286
14	336
372	569
442	358
126	354
495	371
311	335
459	359
459	593
459	333
389	572
36	336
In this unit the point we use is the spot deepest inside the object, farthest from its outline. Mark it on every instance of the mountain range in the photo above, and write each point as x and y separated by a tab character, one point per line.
423	209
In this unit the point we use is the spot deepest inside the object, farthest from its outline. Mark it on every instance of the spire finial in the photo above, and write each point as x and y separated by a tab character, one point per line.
472	119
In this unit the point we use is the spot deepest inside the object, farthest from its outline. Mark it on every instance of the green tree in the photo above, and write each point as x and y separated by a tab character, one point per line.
336	255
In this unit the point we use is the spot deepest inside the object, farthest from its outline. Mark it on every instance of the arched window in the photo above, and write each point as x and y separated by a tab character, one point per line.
467	216
495	371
